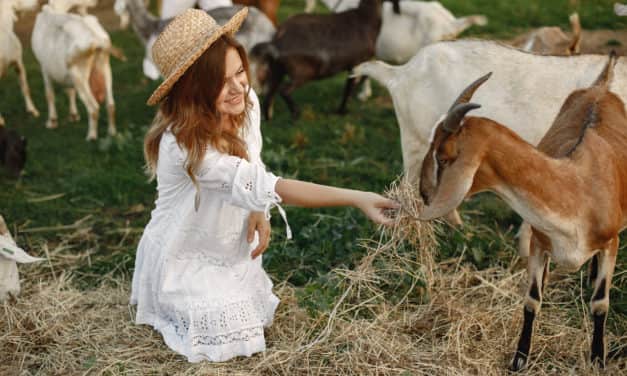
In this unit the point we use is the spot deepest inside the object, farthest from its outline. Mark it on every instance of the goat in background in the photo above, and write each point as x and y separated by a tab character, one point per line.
571	189
11	48
310	47
74	50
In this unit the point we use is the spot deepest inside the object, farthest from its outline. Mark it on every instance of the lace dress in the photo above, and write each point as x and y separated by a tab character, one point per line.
194	280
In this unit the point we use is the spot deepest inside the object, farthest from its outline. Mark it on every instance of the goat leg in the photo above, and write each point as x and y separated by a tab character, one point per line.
599	305
275	78
536	268
286	92
21	72
348	88
52	108
71	95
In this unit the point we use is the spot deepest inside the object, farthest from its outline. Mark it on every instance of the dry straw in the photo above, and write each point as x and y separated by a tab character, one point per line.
398	313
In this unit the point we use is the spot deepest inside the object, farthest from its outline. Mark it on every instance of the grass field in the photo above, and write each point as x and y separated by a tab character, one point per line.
82	205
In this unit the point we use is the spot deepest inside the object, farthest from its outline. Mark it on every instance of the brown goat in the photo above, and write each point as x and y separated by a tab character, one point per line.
571	189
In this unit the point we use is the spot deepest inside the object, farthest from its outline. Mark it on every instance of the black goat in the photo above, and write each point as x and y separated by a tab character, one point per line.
309	47
12	151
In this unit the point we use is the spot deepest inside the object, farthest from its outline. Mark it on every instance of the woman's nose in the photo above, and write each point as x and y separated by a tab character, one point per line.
236	86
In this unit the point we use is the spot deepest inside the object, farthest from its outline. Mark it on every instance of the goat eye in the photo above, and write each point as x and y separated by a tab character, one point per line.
442	161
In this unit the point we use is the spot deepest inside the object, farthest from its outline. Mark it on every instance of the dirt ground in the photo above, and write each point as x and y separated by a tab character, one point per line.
593	41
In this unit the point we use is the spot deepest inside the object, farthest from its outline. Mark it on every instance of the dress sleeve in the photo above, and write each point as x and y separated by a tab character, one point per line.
243	184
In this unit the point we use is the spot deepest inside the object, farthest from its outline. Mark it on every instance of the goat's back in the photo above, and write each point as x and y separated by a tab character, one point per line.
591	110
58	39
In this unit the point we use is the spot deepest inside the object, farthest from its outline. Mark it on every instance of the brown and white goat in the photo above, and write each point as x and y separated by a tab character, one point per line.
74	50
571	189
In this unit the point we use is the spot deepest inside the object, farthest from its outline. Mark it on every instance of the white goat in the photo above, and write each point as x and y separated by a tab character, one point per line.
11	48
74	50
419	24
571	189
257	28
10	255
525	91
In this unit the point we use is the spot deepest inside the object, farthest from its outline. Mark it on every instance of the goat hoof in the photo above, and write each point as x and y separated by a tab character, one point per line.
519	362
74	118
34	112
91	137
597	360
112	132
52	124
363	96
1	121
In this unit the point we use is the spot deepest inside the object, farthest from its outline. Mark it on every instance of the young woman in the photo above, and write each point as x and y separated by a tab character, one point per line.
197	276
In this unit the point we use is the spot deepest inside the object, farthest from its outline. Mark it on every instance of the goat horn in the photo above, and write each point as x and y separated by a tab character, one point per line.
466	95
606	76
454	117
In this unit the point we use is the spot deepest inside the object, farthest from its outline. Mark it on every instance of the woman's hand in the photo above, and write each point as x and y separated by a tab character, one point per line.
257	222
373	206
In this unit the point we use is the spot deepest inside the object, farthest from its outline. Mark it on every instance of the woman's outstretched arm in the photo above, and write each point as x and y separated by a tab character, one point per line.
311	195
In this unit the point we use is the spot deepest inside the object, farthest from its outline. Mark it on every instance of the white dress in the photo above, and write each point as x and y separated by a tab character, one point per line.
194	279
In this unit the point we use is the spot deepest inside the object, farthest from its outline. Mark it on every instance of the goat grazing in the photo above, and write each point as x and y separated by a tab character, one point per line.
10	255
551	40
74	50
571	189
12	151
309	47
11	48
257	28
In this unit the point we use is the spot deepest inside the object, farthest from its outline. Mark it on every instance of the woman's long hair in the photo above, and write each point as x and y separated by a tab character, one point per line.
190	111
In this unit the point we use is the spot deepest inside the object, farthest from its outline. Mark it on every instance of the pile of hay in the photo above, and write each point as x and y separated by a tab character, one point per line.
398	313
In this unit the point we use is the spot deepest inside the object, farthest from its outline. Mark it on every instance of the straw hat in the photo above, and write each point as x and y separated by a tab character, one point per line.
183	41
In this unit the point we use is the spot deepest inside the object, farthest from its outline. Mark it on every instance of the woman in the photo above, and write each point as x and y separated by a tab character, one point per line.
197	277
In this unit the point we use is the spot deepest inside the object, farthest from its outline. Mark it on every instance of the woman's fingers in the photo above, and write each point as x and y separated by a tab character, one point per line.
264	241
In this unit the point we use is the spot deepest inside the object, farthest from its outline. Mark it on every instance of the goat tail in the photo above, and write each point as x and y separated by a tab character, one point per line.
380	71
117	53
477	19
575	25
605	78
524	239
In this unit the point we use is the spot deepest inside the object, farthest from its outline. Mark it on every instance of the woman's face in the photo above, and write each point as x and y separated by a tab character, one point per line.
231	98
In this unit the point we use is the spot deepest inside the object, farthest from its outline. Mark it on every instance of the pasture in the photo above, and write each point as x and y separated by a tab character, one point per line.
347	306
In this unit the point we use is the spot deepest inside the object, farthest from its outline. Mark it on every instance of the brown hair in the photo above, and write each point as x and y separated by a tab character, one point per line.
189	109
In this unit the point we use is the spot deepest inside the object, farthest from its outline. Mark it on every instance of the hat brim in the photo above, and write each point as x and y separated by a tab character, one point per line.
231	27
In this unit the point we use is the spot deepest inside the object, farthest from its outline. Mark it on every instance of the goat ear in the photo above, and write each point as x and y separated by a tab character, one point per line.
454	118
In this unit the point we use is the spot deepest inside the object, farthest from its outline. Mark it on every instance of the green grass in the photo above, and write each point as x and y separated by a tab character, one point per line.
360	150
